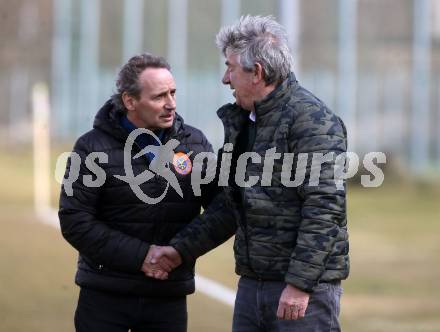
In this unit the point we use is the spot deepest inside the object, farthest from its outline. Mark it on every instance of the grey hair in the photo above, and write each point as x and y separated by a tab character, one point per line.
128	77
258	39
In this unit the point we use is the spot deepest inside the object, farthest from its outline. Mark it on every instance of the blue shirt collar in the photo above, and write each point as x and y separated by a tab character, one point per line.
129	126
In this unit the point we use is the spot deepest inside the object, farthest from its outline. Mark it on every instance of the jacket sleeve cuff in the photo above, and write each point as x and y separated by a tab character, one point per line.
301	283
140	256
187	258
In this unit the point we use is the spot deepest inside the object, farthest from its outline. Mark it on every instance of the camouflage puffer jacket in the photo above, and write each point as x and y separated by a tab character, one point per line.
293	233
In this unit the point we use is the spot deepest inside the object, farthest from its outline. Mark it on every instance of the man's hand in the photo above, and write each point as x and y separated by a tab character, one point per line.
157	271
293	303
160	261
165	256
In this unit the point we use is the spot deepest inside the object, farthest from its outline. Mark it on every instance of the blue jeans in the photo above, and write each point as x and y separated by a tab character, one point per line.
256	307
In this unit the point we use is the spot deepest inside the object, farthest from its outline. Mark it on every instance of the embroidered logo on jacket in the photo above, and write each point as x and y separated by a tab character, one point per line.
182	164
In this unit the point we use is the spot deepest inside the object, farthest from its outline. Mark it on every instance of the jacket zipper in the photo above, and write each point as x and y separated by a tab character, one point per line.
153	237
171	135
243	201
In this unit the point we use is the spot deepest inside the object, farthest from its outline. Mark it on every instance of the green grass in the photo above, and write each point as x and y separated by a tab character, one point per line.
393	285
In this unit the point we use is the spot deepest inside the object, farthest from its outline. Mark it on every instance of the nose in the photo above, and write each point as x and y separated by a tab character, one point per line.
226	79
170	102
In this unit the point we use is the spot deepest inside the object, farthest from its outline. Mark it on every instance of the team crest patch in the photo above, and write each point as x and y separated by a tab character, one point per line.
182	164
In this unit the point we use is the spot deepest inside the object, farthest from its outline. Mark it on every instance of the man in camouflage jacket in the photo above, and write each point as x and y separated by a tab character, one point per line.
291	241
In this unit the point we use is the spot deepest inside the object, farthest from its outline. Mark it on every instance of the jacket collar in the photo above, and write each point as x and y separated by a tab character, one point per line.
276	97
233	118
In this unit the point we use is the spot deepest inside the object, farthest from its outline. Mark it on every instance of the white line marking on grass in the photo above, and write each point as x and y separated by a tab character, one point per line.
49	217
215	290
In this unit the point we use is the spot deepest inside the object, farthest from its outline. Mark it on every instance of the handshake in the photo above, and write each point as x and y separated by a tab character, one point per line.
160	261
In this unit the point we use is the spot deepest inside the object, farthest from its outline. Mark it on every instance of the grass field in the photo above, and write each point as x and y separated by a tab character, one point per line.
393	286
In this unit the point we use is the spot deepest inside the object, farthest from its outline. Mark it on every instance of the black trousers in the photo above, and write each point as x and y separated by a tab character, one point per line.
99	311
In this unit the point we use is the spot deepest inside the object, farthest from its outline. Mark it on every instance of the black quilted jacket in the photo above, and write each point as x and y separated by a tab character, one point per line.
112	228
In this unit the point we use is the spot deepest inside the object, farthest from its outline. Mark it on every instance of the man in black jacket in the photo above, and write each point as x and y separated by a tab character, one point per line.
113	226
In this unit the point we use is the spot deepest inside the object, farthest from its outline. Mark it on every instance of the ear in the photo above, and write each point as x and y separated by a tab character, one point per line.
129	101
258	73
